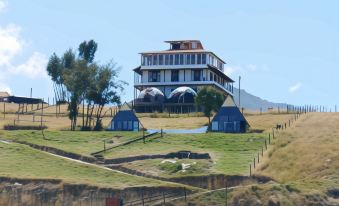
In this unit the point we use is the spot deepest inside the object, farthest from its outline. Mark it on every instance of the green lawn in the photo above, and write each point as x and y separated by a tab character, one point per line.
83	143
21	161
231	153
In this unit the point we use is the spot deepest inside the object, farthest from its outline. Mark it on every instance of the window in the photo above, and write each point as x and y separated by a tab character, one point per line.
175	46
171	59
203	61
155	59
147	60
161	59
143	60
130	125
176	59
166	59
196	75
215	78
211	76
192	58
198	58
181	59
194	45
154	76
188	59
175	75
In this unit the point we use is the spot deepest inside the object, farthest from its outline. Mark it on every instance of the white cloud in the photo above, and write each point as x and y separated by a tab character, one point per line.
231	70
294	87
3	5
252	67
34	67
11	45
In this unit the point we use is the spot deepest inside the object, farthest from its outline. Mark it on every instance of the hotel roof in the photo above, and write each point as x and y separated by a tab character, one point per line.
182	51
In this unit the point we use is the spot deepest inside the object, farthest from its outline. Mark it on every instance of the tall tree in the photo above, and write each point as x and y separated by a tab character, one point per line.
82	79
107	89
210	100
87	50
54	69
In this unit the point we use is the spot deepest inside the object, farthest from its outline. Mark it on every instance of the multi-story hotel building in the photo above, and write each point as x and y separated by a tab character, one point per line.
169	79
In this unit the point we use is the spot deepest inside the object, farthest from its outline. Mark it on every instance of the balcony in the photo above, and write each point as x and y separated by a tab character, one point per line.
228	88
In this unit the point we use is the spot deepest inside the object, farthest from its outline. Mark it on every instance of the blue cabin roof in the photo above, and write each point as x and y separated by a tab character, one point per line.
232	113
125	116
229	112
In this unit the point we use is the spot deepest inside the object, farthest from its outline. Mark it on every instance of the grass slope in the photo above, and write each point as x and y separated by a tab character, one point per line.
83	143
231	153
20	161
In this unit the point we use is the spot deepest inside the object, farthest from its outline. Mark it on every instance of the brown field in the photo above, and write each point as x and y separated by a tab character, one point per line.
306	153
151	121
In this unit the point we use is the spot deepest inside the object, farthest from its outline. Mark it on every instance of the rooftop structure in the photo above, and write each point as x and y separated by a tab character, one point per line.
185	64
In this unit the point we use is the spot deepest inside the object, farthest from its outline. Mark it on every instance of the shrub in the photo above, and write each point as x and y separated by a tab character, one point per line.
23	127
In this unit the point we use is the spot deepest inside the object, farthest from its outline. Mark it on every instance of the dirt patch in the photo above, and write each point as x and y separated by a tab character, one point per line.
179	155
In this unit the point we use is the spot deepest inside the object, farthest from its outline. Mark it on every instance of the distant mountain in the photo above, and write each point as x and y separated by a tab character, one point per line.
251	102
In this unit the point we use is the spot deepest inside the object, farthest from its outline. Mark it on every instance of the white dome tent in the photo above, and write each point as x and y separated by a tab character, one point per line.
182	94
151	94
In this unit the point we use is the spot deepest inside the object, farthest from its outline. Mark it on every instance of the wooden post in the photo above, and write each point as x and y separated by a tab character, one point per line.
254	163
250	170
273	133
42	112
163	196
225	194
262	151
258	158
185	194
269	138
289	123
143	200
265	144
104	145
161	133
4	110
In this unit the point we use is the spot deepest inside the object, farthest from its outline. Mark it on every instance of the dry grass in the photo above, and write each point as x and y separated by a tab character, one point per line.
306	154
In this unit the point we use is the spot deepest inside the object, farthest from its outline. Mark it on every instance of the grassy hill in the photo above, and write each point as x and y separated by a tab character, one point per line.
303	164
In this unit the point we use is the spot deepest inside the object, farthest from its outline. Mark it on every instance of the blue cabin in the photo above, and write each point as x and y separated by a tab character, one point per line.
229	119
125	120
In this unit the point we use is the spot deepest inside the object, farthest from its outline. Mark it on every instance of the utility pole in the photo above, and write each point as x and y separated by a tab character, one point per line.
239	91
31	92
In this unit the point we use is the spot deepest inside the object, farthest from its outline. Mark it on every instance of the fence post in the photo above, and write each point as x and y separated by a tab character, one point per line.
262	151
185	194
143	200
254	163
104	145
266	144
225	194
289	123
273	133
163	195
250	170
161	133
258	158
4	110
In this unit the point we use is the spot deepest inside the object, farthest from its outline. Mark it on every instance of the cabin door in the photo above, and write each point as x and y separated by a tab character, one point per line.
135	126
228	127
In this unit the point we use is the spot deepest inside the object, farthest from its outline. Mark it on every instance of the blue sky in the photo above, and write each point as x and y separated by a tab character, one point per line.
285	51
